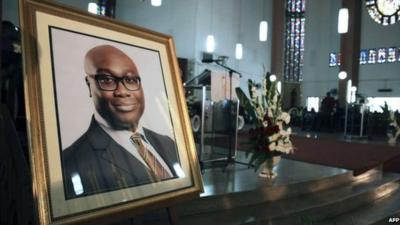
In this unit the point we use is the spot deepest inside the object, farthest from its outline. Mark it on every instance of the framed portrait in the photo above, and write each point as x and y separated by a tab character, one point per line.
109	132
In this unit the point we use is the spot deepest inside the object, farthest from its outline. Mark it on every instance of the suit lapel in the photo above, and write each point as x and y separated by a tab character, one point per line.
115	159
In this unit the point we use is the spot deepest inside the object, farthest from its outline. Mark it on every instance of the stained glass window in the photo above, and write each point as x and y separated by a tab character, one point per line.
372	56
398	54
391	54
332	59
294	40
385	12
363	56
381	55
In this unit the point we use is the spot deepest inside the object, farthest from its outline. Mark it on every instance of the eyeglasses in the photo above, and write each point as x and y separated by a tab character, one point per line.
110	83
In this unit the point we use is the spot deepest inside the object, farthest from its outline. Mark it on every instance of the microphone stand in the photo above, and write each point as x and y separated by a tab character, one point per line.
231	158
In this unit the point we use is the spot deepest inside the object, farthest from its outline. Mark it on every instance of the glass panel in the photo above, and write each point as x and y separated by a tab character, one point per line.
302	42
391	57
398	54
292	25
293	6
298	25
381	55
363	56
298	6
288	5
371	56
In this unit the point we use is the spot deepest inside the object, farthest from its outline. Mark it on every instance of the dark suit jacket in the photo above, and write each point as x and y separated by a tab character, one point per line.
103	165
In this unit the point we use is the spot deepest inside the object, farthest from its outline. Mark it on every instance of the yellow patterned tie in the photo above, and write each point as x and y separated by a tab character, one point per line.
158	171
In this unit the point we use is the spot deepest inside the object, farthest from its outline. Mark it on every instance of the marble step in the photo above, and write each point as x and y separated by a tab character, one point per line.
314	206
391	219
267	192
360	196
377	213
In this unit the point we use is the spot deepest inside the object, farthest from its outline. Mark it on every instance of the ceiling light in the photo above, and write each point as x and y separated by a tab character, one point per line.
239	51
210	43
156	3
263	31
343	21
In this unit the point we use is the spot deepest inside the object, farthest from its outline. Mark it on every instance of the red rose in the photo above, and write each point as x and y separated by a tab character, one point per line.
266	118
270	130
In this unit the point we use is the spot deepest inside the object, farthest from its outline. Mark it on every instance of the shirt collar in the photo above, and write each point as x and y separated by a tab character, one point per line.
107	127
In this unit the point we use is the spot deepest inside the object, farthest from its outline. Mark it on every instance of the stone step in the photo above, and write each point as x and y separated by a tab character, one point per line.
376	213
391	219
315	206
360	196
267	192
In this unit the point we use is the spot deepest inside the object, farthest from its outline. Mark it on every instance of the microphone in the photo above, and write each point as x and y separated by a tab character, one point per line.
218	62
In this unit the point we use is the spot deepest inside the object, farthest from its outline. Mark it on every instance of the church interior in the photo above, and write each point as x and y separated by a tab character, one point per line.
288	110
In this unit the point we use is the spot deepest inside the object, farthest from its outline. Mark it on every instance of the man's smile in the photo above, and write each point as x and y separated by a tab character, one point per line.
125	107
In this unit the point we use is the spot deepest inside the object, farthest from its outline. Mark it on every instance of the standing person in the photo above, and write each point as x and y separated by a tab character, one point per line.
328	103
327	110
116	151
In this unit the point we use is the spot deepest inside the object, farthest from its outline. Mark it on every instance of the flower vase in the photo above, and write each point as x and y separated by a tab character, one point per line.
267	168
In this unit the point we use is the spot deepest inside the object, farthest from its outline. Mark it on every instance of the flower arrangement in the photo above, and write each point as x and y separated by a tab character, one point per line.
271	135
395	129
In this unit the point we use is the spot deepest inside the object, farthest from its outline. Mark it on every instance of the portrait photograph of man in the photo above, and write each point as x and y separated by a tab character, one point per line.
114	120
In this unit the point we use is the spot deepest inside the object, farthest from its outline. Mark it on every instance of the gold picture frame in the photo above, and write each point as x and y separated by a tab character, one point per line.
56	40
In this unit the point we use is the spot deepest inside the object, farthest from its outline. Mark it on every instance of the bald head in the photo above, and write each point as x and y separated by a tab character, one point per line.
121	108
102	55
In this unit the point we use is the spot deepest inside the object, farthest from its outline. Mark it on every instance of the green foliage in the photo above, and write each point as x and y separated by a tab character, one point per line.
386	110
390	116
245	102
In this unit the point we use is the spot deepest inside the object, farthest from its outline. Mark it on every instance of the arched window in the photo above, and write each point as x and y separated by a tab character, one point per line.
294	40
